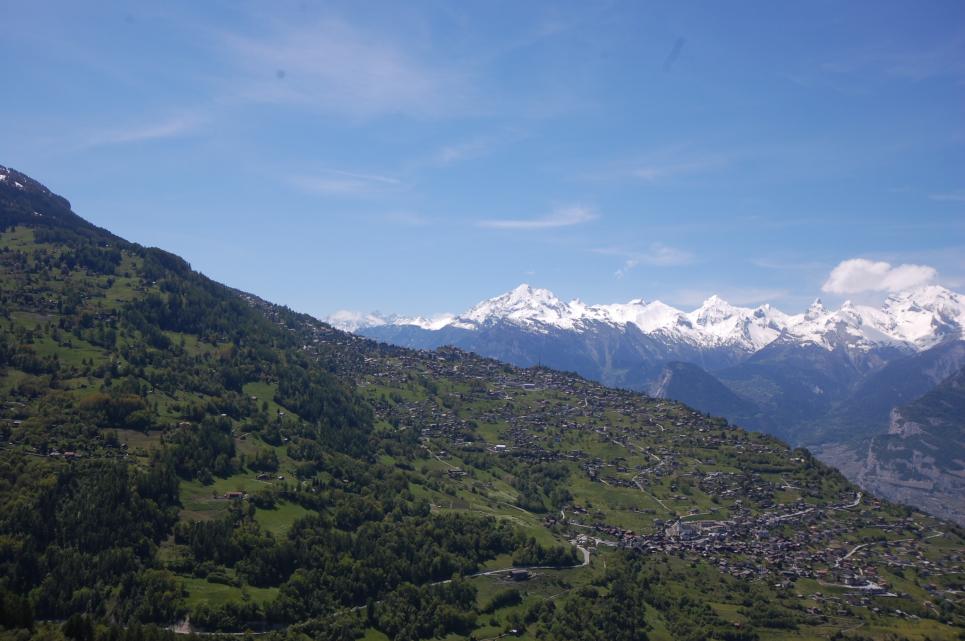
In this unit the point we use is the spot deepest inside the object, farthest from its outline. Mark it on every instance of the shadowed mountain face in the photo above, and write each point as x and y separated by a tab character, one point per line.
900	381
688	383
792	383
920	459
621	356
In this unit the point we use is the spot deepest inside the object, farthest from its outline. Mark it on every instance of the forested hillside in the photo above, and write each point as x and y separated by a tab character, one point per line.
178	454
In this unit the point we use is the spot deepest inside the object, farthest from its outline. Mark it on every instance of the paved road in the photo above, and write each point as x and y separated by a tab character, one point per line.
583	550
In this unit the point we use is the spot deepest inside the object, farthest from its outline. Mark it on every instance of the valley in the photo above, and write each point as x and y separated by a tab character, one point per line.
181	456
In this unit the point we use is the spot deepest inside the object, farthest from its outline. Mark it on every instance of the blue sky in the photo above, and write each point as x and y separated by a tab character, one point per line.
418	157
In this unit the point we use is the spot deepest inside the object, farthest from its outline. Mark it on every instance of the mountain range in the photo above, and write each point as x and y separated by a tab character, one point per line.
826	378
907	321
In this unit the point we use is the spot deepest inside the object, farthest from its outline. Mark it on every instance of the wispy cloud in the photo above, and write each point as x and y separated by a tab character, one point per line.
653	172
664	164
336	67
469	148
171	127
784	264
950	197
858	275
343	183
656	255
564	217
405	218
942	59
450	154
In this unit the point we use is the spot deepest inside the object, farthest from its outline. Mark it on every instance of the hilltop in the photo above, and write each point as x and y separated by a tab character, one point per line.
177	452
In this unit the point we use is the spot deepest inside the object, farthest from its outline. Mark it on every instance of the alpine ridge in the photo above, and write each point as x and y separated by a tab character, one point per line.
913	320
825	378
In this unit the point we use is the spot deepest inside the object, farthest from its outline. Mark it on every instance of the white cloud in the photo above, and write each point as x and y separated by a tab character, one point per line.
664	256
950	197
141	132
673	162
335	67
941	59
454	153
655	172
861	275
656	254
343	183
406	218
474	147
784	264
565	217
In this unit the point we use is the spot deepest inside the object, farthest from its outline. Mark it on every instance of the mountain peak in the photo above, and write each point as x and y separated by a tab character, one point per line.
525	293
815	310
27	201
523	289
924	295
925	316
23	182
524	304
717	304
713	311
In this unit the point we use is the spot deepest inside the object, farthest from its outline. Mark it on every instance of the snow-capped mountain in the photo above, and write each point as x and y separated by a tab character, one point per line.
925	316
354	321
828	378
526	306
910	321
916	320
